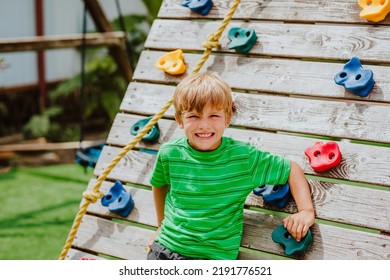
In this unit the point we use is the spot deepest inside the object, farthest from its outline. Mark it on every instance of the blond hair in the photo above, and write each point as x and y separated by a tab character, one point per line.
201	89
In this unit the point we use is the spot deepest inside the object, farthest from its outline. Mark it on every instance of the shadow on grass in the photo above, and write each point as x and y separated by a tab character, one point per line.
65	177
18	220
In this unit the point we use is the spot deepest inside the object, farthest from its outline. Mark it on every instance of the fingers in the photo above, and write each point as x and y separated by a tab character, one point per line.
296	228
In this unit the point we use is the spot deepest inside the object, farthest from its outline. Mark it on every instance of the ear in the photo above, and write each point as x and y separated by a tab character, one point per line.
227	122
179	122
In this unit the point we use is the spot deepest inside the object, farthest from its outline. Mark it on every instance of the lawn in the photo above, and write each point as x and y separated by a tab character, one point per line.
38	206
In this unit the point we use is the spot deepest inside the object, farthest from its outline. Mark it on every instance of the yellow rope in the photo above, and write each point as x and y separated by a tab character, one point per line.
212	42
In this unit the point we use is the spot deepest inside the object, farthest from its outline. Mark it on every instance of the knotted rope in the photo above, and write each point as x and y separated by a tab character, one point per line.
212	42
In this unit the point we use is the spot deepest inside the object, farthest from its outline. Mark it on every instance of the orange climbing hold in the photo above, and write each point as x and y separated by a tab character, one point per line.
172	63
374	10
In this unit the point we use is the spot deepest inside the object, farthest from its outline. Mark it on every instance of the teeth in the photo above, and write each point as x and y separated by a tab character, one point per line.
204	135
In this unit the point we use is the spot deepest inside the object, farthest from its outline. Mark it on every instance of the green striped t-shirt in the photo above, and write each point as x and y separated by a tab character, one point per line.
203	215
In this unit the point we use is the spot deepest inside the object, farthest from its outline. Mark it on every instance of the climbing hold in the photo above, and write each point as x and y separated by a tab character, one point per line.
242	39
278	195
374	10
88	157
281	236
355	79
152	135
201	7
323	156
87	259
118	200
172	63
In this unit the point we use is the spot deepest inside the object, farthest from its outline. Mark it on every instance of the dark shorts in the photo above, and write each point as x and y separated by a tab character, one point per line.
159	252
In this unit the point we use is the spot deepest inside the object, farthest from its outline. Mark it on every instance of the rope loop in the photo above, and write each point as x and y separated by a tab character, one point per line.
93	196
212	42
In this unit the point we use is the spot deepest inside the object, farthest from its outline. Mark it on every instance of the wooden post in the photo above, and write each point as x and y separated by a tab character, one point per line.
40	43
39	24
103	25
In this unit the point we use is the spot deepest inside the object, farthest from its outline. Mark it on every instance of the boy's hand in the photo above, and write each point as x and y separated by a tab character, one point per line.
299	223
153	238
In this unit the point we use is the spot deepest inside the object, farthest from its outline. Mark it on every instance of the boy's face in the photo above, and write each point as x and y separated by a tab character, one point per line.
205	129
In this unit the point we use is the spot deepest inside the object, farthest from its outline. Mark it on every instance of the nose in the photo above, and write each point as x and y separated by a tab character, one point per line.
203	123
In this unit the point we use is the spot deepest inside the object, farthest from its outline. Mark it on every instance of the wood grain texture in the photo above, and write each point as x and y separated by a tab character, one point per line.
129	242
330	243
279	76
336	42
341	119
112	238
360	163
334	202
341	11
284	92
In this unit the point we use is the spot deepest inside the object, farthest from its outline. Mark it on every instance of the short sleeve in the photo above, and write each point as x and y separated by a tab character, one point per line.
159	175
269	169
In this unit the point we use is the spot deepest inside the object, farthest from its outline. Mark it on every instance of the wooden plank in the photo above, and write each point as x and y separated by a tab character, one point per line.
10	139
134	167
39	43
112	238
280	76
292	10
129	242
277	113
24	147
333	202
340	42
330	243
342	203
325	118
250	256
143	211
360	163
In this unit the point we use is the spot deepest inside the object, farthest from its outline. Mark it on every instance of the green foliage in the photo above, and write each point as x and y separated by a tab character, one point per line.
39	125
137	28
153	7
103	90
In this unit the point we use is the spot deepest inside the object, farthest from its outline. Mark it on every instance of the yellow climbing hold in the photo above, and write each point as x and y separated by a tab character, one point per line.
374	10
172	63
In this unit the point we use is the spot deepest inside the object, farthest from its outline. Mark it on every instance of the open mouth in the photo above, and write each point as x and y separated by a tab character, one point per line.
205	135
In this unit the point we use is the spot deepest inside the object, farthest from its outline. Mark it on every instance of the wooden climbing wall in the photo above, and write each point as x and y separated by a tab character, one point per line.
286	100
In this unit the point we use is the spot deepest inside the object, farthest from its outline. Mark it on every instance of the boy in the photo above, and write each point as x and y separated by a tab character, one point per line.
201	181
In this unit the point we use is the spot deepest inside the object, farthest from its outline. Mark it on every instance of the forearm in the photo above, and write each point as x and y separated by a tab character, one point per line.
299	188
299	223
159	195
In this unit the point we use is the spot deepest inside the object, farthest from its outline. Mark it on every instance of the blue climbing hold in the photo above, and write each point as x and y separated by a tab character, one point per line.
201	7
278	195
152	135
118	200
291	247
88	157
355	79
242	39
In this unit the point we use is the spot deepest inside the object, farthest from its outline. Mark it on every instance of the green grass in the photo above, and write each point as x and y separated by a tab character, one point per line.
38	206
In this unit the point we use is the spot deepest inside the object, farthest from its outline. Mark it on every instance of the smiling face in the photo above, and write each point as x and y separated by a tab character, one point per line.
203	108
205	129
